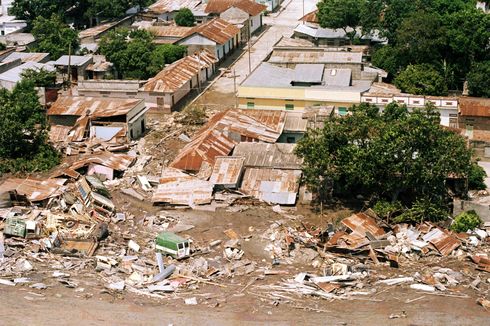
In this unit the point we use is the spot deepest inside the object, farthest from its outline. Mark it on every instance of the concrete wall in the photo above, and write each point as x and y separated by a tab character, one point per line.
137	128
255	23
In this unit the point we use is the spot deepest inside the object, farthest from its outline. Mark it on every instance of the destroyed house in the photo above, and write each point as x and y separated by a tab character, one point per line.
74	118
176	80
226	129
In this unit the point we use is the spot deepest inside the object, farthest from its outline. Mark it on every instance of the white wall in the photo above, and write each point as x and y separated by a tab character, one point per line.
255	23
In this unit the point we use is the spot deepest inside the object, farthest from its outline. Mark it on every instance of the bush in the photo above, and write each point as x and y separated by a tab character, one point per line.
386	210
466	221
192	115
423	210
476	177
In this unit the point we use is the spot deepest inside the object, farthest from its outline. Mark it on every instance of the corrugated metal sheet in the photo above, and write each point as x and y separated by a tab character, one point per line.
227	171
310	17
94	31
58	133
179	188
96	106
26	56
444	242
315	57
250	7
119	162
176	75
295	122
219	135
360	224
272	185
170	31
474	107
264	155
33	189
164	6
217	30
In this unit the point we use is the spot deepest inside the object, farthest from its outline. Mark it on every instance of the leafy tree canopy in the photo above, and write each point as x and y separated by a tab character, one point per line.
53	36
23	131
479	79
40	77
165	54
396	155
185	17
422	79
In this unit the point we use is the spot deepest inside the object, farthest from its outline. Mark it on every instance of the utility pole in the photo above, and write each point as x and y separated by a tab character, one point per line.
234	88
249	49
303	12
69	66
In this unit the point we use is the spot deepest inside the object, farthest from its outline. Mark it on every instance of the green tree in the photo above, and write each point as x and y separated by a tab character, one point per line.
23	131
40	77
478	79
185	17
53	36
422	79
340	14
387	58
29	10
165	54
394	155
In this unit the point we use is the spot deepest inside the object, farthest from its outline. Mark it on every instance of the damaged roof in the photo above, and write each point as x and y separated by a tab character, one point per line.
272	185
119	162
217	30
474	106
224	130
33	189
164	6
264	155
250	7
227	170
179	188
93	106
176	75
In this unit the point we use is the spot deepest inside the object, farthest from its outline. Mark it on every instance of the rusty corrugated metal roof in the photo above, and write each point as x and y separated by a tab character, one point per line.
164	6
58	133
217	30
96	30
179	188
265	155
216	137
119	162
94	106
169	31
272	185
33	189
310	17
360	223
474	107
442	240
250	7
227	170
176	75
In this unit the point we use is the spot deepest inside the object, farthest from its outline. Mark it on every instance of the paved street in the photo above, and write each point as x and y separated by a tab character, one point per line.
279	24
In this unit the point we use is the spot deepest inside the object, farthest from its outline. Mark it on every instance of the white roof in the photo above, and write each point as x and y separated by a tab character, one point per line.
14	74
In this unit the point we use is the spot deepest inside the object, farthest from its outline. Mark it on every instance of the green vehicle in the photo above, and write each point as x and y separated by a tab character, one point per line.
171	244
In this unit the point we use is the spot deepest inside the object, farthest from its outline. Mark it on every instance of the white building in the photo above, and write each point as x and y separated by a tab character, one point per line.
9	24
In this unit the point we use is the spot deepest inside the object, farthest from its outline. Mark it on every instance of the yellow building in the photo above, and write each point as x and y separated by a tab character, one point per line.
306	85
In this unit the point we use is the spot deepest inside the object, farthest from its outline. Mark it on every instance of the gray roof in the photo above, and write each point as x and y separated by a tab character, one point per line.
295	122
337	77
75	60
264	155
267	74
308	73
26	56
314	56
320	32
14	74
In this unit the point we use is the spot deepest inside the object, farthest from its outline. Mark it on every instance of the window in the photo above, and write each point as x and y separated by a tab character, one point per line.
368	99
290	140
416	102
342	110
250	105
384	100
289	106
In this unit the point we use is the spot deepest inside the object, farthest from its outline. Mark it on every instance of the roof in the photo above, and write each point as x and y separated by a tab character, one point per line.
17	39
96	30
272	185
179	188
250	7
119	162
217	30
315	32
224	130
308	73
73	60
177	74
227	170
474	106
164	6
310	17
33	189
110	84
295	122
338	77
315	56
26	56
94	106
235	16
15	74
287	42
263	155
169	31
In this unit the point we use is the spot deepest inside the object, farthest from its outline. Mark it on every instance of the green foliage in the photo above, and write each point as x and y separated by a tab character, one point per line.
395	154
135	56
478	79
466	221
53	36
29	10
387	58
40	77
386	210
192	116
423	210
422	79
185	17
23	131
476	177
